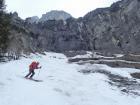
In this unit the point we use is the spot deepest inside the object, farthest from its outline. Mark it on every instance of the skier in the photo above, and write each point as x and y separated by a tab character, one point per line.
34	65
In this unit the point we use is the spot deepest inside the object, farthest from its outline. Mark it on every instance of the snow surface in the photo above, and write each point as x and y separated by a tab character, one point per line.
62	84
87	55
95	55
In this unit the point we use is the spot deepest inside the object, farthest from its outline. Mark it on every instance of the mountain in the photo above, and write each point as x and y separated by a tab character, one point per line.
33	19
107	30
55	15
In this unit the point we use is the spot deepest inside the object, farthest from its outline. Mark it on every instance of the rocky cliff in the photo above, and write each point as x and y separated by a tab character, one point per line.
115	29
109	30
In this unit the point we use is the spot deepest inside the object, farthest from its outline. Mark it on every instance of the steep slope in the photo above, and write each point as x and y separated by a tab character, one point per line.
115	28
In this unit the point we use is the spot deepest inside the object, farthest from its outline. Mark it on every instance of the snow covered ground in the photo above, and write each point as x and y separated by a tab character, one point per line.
62	84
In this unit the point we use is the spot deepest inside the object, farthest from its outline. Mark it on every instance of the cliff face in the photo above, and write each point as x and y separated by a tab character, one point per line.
58	35
108	30
115	28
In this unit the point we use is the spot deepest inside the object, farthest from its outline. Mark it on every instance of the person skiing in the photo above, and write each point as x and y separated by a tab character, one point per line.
34	65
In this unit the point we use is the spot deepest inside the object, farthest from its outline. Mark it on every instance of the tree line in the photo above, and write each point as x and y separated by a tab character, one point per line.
4	28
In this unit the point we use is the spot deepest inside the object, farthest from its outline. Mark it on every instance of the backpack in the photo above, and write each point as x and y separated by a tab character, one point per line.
32	65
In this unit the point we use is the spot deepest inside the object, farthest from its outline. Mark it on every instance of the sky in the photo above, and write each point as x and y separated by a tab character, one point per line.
77	8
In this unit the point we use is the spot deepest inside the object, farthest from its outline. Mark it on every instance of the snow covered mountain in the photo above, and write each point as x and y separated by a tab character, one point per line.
55	15
64	83
52	15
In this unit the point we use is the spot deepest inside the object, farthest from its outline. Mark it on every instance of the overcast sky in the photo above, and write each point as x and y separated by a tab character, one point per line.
77	8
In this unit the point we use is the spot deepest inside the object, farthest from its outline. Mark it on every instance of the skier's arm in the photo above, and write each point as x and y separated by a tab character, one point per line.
39	67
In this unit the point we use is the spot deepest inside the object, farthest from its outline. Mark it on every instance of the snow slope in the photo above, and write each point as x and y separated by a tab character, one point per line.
62	84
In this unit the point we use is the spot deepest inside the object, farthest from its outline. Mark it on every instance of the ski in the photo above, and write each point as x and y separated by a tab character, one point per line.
36	80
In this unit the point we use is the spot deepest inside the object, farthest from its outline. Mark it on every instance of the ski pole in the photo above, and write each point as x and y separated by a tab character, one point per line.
39	71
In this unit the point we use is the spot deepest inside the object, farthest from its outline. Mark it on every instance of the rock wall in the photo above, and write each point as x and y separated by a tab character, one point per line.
109	30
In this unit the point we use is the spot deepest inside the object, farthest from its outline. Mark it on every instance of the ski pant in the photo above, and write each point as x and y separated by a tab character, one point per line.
31	74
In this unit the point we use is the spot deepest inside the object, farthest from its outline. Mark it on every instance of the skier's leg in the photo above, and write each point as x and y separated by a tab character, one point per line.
33	73
28	74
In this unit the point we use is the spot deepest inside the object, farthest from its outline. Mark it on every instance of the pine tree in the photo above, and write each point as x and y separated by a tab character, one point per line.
4	27
2	6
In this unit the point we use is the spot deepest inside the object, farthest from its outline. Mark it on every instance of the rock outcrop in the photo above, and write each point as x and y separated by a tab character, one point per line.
34	19
55	15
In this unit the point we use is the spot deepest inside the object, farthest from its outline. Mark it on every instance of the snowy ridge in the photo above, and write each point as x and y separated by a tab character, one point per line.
55	15
62	84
